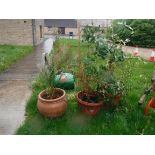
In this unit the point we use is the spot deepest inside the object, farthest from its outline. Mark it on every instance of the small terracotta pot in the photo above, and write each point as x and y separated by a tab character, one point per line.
52	107
86	107
116	99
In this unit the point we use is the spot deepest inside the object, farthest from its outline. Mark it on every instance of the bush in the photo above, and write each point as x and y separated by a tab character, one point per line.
144	31
89	34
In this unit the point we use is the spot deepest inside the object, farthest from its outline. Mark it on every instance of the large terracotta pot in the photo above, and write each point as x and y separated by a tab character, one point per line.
89	108
53	107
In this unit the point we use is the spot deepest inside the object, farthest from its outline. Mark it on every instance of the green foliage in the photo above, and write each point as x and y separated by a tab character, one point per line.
109	86
59	61
110	52
89	34
97	76
91	72
143	31
102	48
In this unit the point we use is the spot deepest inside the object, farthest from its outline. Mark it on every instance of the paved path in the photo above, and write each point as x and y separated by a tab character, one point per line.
144	53
15	88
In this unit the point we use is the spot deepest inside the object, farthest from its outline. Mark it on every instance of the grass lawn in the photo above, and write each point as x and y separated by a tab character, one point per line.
9	54
128	118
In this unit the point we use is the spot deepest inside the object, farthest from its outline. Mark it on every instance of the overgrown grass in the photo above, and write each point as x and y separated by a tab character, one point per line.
127	119
9	54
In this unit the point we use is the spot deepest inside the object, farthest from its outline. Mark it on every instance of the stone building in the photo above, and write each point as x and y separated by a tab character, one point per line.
67	26
60	26
21	31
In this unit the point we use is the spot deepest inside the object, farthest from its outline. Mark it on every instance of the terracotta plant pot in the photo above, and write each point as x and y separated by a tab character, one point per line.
89	108
52	107
117	99
112	102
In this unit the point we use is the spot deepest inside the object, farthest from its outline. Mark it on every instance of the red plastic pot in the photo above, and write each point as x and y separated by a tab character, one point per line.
89	108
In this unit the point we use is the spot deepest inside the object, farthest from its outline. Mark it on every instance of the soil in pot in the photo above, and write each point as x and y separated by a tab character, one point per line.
90	103
55	95
90	98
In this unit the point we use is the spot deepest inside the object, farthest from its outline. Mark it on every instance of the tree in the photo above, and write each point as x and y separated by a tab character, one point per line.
144	31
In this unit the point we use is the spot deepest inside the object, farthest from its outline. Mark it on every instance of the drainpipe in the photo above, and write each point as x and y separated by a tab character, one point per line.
33	31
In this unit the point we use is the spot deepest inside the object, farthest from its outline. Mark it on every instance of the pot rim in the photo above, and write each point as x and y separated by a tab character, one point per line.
47	100
88	103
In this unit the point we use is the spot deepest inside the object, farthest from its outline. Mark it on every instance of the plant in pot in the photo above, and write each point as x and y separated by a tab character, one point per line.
89	99
111	87
52	101
112	90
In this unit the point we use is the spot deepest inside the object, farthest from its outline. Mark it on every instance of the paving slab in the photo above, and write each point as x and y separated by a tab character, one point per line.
15	88
13	97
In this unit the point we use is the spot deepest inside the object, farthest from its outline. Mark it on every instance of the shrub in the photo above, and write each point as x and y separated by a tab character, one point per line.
144	31
89	34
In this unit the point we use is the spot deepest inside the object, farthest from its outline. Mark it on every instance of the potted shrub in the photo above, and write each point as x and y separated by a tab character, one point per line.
111	87
89	99
52	101
99	82
112	91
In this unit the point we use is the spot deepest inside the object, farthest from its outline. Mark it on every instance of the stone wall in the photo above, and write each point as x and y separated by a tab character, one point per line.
74	30
50	31
19	31
14	31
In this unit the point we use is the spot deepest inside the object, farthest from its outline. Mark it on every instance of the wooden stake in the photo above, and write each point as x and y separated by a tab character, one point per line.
79	38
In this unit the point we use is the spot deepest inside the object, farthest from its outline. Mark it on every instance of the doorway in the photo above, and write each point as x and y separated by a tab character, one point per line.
61	30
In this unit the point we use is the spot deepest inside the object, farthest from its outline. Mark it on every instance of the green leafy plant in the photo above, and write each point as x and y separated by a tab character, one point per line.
89	34
48	72
143	31
109	51
110	86
90	73
55	64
